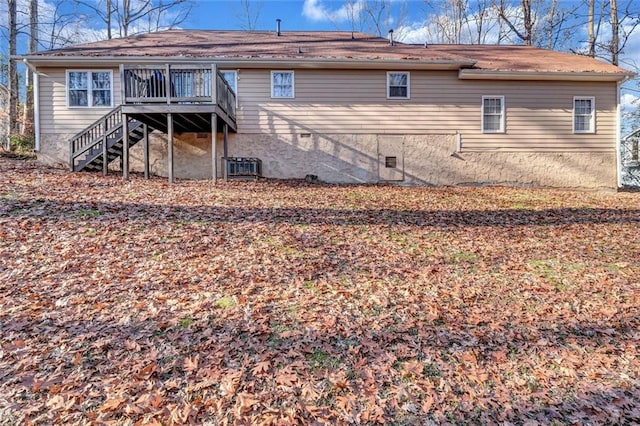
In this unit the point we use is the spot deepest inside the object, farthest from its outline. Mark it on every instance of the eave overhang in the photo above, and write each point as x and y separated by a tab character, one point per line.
476	74
266	63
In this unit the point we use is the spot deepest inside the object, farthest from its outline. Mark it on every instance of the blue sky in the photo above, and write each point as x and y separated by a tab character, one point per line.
317	15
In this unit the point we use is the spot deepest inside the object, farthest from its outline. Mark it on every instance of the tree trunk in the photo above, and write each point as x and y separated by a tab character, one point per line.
13	73
108	20
126	16
615	32
590	29
528	22
27	127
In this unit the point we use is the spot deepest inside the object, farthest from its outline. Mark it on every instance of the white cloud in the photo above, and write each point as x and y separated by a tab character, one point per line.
629	101
317	11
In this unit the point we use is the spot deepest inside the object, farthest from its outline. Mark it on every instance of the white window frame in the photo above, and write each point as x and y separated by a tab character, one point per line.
408	74
89	89
592	121
502	115
293	84
235	87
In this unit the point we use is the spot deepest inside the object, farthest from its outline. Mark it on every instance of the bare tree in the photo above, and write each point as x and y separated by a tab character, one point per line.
627	23
107	18
248	14
615	32
27	122
591	28
13	71
376	12
55	27
354	13
524	29
623	20
482	22
461	21
137	16
449	18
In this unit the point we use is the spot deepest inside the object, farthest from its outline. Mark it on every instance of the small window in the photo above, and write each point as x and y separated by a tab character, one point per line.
90	89
398	85
390	162
584	115
231	77
493	114
282	84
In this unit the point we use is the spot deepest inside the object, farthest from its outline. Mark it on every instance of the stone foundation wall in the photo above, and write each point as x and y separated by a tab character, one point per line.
424	159
54	150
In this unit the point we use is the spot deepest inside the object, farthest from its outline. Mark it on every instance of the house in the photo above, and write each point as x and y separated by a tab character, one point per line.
344	106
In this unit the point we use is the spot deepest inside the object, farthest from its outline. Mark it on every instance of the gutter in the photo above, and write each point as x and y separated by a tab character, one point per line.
475	74
619	129
444	64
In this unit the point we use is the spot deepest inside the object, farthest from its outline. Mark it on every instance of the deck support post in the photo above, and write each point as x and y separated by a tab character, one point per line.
105	157
170	146
145	132
125	146
225	134
214	147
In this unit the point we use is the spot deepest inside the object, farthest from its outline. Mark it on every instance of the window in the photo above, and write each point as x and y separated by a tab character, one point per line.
90	89
584	115
231	78
398	85
493	114
282	84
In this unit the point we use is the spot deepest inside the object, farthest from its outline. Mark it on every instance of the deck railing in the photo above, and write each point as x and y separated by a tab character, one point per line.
177	84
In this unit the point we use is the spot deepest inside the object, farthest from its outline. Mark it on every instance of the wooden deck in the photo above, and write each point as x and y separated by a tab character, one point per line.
190	93
178	98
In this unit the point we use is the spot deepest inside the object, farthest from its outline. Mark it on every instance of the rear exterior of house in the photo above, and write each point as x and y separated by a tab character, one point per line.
359	111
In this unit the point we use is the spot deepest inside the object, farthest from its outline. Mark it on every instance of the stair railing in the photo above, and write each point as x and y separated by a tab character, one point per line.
95	135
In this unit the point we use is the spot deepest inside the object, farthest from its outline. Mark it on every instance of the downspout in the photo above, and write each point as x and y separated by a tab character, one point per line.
619	130
36	105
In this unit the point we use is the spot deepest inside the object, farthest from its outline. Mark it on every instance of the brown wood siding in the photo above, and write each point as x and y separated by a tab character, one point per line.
55	116
539	114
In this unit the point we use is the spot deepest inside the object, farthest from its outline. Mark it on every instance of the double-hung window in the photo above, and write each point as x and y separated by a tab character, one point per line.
584	118
282	84
90	89
398	85
493	114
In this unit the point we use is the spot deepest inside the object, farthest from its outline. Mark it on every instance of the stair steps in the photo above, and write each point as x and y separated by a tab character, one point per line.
86	148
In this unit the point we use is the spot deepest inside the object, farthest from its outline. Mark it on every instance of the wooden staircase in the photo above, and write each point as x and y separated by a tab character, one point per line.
103	139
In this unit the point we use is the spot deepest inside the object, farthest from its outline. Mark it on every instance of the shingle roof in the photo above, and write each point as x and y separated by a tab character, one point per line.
330	45
527	58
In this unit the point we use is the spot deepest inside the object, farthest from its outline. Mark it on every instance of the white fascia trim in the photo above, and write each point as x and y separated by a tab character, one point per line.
467	74
282	63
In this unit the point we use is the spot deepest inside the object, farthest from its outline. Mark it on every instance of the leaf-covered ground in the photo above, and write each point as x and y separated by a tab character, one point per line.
139	302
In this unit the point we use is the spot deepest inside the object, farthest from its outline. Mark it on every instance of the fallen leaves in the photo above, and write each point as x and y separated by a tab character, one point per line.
136	302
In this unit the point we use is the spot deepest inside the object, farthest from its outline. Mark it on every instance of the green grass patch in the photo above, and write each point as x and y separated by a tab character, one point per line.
186	322
88	213
225	302
321	360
